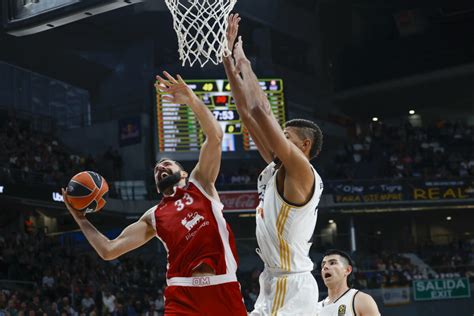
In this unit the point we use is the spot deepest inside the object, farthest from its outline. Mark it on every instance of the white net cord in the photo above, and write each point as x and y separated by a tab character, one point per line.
201	26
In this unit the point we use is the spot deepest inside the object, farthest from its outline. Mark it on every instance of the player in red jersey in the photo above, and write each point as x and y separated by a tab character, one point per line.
202	258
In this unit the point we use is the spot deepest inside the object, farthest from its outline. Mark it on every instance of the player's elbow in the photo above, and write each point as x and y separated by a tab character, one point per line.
106	256
107	253
216	137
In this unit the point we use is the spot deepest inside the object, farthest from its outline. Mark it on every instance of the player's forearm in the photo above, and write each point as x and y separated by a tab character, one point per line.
253	89
206	119
241	94
237	90
97	240
261	143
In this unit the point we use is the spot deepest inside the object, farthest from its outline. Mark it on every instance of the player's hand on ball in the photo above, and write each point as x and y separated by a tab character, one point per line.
71	209
177	90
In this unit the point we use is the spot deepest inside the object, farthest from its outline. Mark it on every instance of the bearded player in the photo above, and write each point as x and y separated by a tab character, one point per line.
202	258
289	190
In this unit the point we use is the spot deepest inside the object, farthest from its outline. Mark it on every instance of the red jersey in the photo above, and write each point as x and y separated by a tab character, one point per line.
193	230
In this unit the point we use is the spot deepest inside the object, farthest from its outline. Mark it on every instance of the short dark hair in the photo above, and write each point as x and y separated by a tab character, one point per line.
346	258
166	158
310	130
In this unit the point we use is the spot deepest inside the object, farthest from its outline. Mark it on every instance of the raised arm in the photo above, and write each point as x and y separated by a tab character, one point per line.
207	168
239	93
132	237
298	173
258	107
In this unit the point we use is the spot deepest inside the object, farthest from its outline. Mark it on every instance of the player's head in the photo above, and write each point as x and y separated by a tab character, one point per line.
168	174
336	268
306	135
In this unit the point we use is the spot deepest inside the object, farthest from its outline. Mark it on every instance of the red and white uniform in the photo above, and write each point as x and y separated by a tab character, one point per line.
193	230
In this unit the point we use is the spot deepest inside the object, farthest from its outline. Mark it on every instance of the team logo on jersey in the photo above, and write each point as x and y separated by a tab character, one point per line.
341	311
191	220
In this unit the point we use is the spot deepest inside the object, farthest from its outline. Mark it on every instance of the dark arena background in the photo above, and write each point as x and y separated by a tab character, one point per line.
389	82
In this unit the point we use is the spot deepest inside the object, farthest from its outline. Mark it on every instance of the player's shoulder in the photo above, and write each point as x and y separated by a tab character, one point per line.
362	295
195	186
269	169
204	191
150	211
365	304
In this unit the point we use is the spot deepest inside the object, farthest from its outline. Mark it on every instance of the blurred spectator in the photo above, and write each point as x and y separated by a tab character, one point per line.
443	150
109	303
30	156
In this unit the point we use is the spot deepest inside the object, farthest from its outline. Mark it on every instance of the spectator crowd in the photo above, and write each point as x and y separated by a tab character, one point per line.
53	276
42	275
30	156
441	150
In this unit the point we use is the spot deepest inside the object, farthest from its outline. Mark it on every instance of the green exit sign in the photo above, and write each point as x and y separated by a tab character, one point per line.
440	289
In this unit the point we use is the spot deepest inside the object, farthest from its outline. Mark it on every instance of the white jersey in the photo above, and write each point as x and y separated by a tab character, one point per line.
284	231
343	306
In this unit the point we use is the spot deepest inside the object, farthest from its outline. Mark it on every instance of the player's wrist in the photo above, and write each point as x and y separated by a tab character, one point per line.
194	101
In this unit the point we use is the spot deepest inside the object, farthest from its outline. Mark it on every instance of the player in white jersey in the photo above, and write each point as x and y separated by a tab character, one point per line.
289	189
342	300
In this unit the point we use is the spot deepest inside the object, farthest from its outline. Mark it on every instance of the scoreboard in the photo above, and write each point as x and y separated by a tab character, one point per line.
179	131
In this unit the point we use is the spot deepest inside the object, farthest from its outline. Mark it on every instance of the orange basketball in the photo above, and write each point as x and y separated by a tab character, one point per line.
86	191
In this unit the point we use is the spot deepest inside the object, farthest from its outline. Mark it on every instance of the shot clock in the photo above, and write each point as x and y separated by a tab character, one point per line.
179	131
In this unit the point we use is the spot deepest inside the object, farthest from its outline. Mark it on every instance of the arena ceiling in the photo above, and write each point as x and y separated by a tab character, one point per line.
347	42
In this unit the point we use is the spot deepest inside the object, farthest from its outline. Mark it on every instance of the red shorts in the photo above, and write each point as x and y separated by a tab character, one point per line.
213	300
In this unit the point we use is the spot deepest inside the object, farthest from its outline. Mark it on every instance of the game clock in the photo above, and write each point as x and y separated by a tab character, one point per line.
226	115
179	131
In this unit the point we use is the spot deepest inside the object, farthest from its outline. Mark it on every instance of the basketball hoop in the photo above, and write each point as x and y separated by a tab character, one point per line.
201	29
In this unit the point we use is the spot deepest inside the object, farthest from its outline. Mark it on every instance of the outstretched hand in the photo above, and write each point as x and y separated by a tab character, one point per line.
232	30
176	89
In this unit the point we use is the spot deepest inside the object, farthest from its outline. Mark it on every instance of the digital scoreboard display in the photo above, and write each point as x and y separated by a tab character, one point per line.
179	131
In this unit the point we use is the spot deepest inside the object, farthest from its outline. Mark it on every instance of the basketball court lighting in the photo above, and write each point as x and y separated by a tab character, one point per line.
448	218
331	221
411	112
375	119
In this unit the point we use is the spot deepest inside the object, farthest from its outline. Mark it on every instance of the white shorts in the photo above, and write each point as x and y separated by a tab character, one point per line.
288	294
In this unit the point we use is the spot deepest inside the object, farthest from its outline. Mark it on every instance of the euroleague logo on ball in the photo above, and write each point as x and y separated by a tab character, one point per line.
87	191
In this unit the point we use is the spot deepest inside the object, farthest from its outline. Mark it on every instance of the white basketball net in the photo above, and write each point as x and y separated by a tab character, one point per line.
201	29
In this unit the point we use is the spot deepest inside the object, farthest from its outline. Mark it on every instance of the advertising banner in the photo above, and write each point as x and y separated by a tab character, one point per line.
395	191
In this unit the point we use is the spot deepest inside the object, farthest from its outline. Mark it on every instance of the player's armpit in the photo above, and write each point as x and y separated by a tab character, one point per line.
365	305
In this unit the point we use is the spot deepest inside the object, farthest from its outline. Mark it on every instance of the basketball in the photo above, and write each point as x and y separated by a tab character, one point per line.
86	191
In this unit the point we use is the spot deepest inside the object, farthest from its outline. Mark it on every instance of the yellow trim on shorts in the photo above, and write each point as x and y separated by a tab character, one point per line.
280	294
285	256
